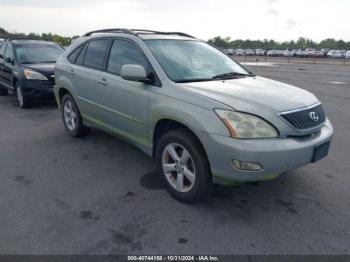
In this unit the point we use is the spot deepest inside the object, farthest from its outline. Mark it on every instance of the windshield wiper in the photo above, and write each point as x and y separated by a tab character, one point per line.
232	75
193	80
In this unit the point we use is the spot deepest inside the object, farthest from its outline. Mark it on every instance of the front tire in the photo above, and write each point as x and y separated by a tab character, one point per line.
23	101
72	120
183	166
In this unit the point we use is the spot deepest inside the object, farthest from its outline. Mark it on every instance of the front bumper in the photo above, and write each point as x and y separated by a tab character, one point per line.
277	155
36	89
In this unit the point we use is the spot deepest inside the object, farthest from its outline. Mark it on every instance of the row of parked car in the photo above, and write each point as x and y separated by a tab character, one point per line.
202	116
305	53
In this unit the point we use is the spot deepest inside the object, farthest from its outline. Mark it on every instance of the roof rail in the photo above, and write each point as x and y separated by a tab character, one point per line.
111	30
135	32
142	31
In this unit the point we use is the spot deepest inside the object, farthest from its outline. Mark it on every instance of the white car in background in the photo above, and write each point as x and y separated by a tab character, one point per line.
230	52
260	52
347	55
288	53
239	52
310	52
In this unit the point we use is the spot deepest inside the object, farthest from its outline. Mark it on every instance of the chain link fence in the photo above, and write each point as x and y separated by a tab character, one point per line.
250	58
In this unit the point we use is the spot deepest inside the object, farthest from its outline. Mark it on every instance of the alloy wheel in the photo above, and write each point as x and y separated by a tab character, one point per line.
20	96
70	115
178	167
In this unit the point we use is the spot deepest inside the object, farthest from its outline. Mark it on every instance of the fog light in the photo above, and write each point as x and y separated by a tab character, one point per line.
247	166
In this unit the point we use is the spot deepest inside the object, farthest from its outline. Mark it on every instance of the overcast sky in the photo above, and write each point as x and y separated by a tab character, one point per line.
244	19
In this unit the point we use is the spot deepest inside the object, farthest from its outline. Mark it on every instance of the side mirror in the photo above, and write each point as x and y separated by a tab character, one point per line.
9	60
134	73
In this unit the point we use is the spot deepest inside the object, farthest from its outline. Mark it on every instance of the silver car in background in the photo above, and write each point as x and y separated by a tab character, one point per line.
202	116
336	54
249	52
275	53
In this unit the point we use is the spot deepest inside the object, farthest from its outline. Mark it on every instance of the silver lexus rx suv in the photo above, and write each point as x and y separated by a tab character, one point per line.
202	116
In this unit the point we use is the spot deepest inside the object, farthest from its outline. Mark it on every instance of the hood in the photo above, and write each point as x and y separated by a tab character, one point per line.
47	70
254	94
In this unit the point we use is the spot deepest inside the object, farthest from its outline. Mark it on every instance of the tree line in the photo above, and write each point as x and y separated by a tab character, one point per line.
218	41
61	40
302	42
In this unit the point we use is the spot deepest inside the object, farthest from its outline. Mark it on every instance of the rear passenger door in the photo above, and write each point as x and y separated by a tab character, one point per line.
86	73
125	103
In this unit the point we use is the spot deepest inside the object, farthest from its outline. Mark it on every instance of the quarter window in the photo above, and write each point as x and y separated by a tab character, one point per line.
122	53
80	58
95	54
73	56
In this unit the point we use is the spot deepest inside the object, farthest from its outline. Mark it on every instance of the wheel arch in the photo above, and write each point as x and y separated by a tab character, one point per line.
165	125
61	93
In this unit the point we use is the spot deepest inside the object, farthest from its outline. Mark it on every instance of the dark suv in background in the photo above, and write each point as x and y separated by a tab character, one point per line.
27	68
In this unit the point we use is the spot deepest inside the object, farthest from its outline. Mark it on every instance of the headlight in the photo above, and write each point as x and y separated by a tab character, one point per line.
32	75
243	125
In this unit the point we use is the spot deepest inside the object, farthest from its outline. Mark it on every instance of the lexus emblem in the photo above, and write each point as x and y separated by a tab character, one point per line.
314	116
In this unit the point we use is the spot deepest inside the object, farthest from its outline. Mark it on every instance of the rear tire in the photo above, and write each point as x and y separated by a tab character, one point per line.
3	91
183	166
72	120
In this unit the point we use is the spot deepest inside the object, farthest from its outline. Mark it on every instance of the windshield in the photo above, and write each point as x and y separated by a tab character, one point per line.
37	53
191	61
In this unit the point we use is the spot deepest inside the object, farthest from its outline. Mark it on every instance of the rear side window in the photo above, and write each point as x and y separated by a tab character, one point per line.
73	56
95	53
124	52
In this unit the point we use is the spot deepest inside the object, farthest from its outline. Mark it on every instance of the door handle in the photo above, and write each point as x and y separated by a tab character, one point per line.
72	72
103	82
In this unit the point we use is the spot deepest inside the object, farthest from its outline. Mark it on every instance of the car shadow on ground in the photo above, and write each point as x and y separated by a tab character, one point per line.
279	194
38	104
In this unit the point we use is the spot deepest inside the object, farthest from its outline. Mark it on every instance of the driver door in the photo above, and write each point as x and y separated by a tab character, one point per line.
125	103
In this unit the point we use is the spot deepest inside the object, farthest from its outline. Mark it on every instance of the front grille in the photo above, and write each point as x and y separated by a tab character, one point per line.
305	118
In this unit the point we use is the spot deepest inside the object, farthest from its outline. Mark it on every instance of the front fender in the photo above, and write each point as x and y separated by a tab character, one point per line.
196	118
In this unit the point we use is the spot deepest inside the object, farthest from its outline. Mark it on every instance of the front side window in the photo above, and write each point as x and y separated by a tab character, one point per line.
190	61
9	52
2	50
95	54
37	53
122	53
